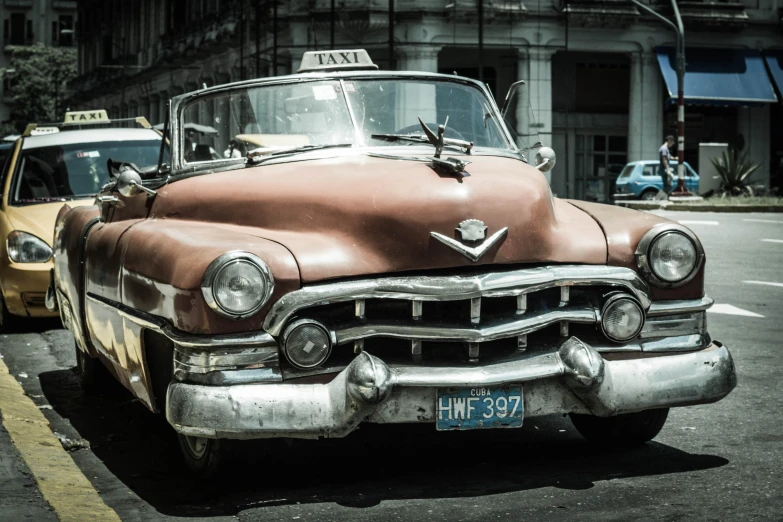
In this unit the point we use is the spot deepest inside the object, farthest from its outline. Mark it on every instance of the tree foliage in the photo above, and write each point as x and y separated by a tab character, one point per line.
39	76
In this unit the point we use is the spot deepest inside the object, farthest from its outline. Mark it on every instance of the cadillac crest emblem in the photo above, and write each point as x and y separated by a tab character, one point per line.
472	230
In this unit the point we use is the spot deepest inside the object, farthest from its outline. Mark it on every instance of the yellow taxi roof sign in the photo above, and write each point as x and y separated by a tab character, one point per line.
336	60
86	117
43	130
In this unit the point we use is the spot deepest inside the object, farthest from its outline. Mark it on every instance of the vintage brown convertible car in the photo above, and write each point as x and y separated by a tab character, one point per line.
374	247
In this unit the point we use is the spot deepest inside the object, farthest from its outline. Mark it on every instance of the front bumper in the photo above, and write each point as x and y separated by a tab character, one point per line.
574	379
24	289
624	196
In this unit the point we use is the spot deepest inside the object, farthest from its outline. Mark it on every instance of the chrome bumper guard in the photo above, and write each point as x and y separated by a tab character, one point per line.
575	378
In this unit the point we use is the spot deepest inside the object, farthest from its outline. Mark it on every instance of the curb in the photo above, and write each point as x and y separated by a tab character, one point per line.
697	207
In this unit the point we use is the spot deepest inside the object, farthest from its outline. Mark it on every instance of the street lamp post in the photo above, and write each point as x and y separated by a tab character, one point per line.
678	28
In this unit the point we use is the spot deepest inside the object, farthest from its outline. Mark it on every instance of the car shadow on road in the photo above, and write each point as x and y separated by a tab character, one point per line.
374	464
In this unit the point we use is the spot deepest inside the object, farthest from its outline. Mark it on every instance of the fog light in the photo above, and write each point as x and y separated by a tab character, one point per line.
622	318
306	343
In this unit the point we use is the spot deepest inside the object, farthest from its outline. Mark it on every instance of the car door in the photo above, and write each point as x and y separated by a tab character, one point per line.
115	337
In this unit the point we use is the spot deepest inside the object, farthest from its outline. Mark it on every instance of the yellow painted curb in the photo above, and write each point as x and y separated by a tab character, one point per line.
60	481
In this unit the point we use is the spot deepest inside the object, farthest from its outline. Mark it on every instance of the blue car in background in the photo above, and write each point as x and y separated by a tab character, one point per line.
640	180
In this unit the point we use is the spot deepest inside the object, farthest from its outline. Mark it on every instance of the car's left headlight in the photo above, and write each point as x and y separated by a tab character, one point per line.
27	248
669	255
237	284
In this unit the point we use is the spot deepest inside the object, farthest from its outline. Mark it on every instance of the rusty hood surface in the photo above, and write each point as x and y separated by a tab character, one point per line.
360	215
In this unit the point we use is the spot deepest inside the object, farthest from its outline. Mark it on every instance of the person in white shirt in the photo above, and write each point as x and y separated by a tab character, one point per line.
664	164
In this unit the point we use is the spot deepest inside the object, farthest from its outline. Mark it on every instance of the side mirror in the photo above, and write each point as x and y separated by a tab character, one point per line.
128	181
545	159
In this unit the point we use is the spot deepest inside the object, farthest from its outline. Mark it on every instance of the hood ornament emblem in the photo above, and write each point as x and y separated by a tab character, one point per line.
472	230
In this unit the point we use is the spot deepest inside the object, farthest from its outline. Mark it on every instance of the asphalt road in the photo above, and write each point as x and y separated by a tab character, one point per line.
714	462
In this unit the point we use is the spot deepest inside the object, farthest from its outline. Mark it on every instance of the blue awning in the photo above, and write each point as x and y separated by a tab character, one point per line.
775	63
719	76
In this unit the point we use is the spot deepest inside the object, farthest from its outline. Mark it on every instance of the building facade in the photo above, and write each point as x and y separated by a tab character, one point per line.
28	22
594	69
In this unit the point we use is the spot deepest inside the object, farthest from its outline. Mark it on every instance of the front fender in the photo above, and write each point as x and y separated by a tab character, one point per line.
624	229
165	260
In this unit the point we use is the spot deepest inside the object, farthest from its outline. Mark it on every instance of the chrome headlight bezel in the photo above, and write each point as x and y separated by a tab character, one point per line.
17	238
291	328
646	243
222	262
613	299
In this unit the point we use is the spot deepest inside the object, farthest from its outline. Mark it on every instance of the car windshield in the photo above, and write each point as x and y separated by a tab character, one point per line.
79	170
315	114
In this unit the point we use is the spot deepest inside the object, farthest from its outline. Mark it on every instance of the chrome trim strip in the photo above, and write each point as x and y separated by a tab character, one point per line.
184	339
459	287
672	325
499	330
529	369
205	361
679	307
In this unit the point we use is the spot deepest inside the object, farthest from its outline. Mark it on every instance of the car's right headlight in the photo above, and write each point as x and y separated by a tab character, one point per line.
27	248
237	284
669	255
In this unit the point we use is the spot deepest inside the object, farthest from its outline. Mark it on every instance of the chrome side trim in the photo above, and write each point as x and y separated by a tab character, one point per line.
187	340
450	288
491	332
679	307
203	361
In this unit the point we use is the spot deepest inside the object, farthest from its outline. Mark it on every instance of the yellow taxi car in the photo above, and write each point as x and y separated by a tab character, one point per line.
45	168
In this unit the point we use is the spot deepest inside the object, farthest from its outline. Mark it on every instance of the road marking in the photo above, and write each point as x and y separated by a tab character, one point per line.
764	221
763	283
773	240
689	222
728	309
60	481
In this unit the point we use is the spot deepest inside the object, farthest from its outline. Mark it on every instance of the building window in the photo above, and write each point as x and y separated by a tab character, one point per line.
599	160
62	31
14	29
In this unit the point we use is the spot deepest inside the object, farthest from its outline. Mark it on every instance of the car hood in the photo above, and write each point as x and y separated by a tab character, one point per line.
38	219
358	215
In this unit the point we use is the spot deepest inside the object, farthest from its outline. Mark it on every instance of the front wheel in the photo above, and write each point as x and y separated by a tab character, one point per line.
648	195
93	376
629	429
202	456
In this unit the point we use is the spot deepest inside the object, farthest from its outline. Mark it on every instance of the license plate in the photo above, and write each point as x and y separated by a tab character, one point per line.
475	408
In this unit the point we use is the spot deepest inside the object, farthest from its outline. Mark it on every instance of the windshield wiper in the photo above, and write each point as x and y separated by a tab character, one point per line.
259	155
421	138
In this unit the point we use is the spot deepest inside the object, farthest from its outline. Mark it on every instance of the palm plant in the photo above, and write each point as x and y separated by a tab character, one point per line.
734	168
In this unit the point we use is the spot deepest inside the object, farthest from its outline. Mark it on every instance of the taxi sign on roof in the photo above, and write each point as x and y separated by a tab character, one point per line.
336	60
86	117
43	130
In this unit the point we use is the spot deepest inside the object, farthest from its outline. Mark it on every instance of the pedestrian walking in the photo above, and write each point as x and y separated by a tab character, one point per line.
664	166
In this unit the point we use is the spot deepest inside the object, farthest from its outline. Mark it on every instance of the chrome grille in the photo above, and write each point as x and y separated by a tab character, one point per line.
486	317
